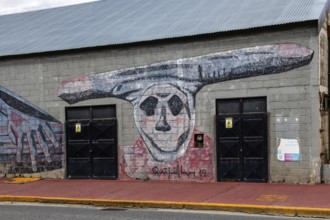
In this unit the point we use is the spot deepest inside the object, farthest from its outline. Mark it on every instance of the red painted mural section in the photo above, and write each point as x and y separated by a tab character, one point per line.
195	165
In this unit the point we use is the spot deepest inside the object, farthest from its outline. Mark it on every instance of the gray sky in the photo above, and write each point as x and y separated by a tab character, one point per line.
16	6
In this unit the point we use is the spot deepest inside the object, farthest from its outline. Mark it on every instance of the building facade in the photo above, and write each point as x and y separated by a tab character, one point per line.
247	105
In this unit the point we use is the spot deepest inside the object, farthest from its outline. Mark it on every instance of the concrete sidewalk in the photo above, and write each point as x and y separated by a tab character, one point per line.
263	198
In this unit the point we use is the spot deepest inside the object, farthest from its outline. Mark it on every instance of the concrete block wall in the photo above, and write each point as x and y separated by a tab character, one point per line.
293	110
324	127
292	104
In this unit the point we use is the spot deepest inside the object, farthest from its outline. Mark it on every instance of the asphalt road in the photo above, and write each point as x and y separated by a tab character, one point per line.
36	211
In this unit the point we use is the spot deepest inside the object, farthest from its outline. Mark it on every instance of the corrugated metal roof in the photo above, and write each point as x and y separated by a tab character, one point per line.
113	22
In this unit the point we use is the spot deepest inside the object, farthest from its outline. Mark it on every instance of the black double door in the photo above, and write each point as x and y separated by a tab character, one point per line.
242	140
91	134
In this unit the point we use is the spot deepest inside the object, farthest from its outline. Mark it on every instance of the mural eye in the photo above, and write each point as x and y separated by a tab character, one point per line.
149	105
175	104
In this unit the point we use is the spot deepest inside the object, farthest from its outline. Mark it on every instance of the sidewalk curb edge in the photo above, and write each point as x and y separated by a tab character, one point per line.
252	209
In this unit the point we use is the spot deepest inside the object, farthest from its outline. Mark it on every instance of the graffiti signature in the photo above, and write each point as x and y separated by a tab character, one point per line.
177	170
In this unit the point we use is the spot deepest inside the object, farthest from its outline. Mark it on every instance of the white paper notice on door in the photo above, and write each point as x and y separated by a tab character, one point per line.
288	150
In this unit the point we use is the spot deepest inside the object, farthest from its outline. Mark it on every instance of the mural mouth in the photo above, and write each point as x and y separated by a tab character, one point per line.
163	152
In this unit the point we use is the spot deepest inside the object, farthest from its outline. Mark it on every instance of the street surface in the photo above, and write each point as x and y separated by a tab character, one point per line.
36	211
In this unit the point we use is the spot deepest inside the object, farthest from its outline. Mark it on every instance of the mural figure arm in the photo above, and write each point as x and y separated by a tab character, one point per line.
189	74
28	125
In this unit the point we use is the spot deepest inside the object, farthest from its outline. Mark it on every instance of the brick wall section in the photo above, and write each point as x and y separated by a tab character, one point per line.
290	95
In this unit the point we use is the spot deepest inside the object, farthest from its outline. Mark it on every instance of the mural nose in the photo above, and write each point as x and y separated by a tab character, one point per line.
162	124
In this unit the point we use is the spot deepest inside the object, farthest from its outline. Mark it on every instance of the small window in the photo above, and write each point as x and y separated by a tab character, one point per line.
103	112
242	106
228	106
254	105
90	112
77	113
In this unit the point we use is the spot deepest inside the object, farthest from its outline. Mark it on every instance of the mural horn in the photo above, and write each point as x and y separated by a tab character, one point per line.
189	74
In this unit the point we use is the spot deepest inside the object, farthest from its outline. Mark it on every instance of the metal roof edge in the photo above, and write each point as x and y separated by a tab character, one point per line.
323	15
310	21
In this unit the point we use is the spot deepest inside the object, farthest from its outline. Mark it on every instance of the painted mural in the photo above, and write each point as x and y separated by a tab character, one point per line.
30	138
163	95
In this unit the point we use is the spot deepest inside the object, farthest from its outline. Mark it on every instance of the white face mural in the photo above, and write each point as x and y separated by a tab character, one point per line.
164	117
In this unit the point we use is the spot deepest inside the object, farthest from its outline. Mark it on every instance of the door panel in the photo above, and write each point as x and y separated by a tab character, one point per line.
254	171
242	147
253	149
78	168
226	132
229	170
255	162
92	149
104	129
253	125
228	148
104	149
103	168
71	133
79	149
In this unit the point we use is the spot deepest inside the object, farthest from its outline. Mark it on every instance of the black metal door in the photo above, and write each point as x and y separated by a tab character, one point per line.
91	134
78	149
242	140
104	149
